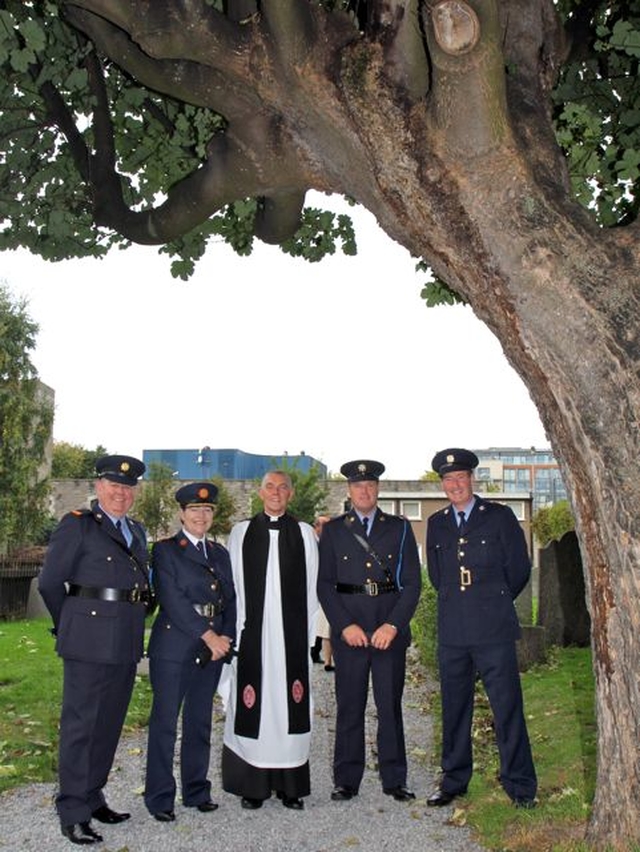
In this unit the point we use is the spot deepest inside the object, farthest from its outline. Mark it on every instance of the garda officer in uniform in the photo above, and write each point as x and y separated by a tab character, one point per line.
94	582
191	636
369	585
478	562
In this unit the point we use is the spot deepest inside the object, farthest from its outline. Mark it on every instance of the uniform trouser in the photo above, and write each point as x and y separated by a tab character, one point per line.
179	685
497	666
387	670
95	699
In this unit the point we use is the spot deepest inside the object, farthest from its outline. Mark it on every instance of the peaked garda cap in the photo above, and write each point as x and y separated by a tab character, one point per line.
452	459
197	494
123	469
362	470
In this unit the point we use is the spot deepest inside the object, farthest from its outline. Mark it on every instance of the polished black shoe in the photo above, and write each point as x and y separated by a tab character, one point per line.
207	807
164	816
292	802
440	798
343	794
399	793
250	804
81	833
525	804
106	815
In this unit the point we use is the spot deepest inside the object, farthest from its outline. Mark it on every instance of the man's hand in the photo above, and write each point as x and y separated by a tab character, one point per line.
355	636
384	636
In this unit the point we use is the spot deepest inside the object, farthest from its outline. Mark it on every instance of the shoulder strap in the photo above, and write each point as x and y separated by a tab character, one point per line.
367	546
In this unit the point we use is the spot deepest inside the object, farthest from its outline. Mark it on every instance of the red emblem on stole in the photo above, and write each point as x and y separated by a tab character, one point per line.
248	696
297	691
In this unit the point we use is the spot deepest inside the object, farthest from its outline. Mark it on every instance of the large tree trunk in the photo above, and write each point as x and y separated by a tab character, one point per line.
456	158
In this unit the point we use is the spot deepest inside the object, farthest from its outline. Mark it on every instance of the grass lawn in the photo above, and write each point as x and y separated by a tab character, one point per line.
559	705
30	696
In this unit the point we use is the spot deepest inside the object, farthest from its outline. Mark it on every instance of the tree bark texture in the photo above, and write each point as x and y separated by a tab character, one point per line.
434	115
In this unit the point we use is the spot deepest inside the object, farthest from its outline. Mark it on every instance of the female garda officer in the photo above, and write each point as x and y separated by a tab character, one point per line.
192	634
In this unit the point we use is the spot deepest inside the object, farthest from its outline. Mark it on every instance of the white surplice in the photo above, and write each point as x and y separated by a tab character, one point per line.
274	748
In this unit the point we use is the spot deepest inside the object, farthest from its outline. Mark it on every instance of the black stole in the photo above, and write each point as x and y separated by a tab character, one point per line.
293	600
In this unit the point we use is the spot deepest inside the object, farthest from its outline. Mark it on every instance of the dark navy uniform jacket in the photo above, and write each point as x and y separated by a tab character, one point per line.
182	576
477	607
87	550
344	560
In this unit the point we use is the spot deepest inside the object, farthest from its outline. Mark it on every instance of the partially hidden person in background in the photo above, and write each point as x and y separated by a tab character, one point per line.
479	563
95	584
191	638
323	628
267	687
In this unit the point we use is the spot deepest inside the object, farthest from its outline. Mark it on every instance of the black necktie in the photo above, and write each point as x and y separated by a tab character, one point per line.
200	546
462	522
365	524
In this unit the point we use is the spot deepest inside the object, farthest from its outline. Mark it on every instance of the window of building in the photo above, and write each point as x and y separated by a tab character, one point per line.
483	474
388	506
411	509
517	507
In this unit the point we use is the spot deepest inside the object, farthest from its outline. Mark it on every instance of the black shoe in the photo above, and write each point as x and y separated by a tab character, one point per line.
343	794
525	804
440	798
106	815
164	816
81	833
250	804
207	807
399	793
292	802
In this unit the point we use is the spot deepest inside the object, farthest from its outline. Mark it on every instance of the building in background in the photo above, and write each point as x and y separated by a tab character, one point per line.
517	469
206	463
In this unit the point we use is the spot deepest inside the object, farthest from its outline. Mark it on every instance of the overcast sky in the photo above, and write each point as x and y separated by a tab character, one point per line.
269	354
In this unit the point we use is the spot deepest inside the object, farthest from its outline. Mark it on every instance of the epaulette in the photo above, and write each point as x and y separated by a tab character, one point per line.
80	513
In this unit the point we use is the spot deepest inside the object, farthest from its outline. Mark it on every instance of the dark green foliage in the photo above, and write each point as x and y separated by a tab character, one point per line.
310	496
552	522
26	418
73	461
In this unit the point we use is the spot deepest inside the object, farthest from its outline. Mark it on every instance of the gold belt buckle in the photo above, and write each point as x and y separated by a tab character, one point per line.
465	578
372	588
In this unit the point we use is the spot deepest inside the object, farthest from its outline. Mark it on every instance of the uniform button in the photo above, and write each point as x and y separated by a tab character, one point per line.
168	627
344	558
109	558
93	612
462	553
368	564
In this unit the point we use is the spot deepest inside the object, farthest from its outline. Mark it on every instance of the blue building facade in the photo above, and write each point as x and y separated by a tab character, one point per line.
206	463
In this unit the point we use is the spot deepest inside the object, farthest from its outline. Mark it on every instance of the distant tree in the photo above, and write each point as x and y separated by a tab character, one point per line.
155	505
429	476
551	522
26	418
73	461
310	495
224	511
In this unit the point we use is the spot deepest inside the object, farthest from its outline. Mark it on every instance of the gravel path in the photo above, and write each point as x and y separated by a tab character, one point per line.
372	821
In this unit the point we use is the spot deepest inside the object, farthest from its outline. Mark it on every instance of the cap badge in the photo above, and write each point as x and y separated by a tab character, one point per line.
450	459
362	468
124	467
203	493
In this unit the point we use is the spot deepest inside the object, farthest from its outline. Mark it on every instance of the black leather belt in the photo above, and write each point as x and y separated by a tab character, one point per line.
209	610
106	594
370	588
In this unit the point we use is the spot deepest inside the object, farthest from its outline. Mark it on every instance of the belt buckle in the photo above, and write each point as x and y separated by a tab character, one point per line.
209	610
134	596
465	578
371	588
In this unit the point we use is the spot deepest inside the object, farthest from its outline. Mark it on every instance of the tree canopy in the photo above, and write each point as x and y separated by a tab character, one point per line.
496	140
26	417
73	461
